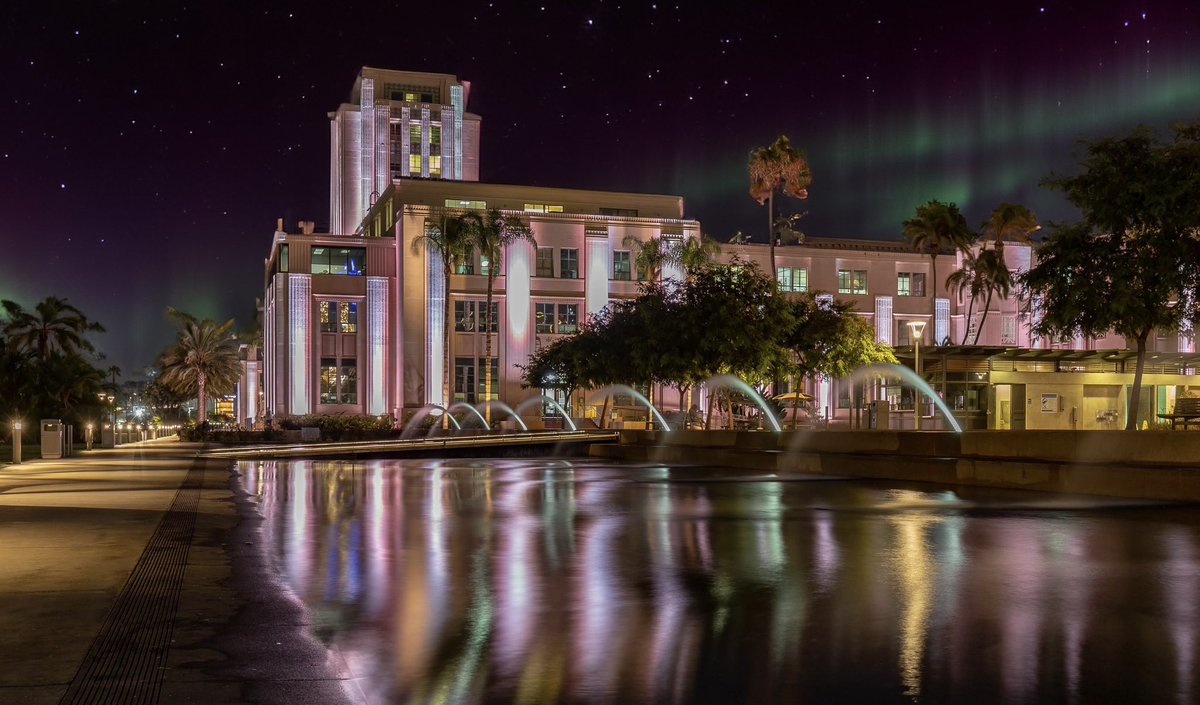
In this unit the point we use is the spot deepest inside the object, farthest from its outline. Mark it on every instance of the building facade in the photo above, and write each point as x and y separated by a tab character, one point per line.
353	318
397	124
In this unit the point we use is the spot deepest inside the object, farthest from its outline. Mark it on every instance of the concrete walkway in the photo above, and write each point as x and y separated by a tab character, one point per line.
133	576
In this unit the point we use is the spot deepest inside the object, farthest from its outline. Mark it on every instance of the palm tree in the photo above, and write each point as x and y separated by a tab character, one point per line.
449	237
695	254
966	281
649	256
491	234
1010	221
57	326
994	278
938	228
203	361
777	169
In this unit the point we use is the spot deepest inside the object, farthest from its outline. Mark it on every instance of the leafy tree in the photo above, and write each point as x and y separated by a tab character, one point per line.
491	233
938	228
202	361
828	338
649	256
447	236
695	255
1131	264
778	168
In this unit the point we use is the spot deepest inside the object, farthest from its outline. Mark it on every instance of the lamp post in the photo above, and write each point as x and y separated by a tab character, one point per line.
88	438
917	328
16	439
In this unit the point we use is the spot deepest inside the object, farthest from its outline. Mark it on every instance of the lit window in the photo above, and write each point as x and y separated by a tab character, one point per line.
339	260
465	264
482	367
283	258
542	208
471	205
568	318
852	281
414	136
327	316
544	315
464	316
348	317
545	262
414	164
568	263
910	284
348	382
435	164
464	379
622	269
329	378
792	279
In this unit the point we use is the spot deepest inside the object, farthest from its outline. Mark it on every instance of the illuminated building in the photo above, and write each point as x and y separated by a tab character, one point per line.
353	324
397	124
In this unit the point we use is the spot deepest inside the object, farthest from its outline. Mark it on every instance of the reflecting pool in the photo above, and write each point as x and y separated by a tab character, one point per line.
545	581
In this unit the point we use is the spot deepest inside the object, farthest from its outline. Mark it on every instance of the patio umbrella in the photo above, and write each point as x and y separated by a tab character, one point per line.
792	396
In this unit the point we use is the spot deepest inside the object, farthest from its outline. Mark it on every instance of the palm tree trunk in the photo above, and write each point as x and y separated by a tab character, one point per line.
1135	394
987	305
771	232
487	346
708	416
201	410
446	358
604	411
967	326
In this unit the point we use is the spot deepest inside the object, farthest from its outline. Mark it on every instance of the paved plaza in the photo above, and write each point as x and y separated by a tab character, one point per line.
133	576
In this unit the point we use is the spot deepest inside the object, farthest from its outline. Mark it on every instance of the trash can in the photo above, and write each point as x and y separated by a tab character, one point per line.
880	411
52	438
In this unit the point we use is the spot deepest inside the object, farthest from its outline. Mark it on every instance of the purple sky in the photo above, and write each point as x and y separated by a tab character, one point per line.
146	149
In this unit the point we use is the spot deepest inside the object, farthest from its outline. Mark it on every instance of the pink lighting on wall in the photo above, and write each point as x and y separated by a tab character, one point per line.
299	342
517	289
377	325
599	264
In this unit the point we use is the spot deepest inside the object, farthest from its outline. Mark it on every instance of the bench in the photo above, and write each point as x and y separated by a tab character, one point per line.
1187	410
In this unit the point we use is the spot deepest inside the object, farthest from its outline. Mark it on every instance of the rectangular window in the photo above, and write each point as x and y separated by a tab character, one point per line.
435	164
542	208
852	281
464	316
568	318
620	212
544	315
348	316
465	264
348	261
329	378
414	139
464	379
327	316
348	382
469	205
485	265
622	269
283	258
792	278
495	317
414	163
494	392
910	284
568	263
545	262
918	284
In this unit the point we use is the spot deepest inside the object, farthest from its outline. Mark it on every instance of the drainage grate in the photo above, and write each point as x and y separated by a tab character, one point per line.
126	662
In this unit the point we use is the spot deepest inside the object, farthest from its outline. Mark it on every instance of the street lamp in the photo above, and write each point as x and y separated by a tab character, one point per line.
917	328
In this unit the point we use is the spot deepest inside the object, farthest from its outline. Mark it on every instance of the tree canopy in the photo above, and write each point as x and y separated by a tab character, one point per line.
202	361
1131	263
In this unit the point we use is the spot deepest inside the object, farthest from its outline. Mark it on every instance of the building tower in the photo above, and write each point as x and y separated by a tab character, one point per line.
397	124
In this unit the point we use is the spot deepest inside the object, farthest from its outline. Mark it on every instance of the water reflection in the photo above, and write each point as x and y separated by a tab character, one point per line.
540	581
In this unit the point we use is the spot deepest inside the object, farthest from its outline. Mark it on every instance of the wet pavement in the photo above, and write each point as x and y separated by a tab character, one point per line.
129	576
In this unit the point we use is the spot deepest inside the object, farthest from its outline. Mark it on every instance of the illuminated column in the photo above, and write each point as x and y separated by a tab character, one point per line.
383	162
520	339
299	343
425	141
377	300
1187	337
268	350
456	99
335	173
366	172
405	144
941	321
435	316
883	319
599	264
446	115
248	391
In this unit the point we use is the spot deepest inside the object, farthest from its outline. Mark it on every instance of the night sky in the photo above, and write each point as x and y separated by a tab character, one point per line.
146	149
